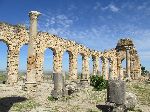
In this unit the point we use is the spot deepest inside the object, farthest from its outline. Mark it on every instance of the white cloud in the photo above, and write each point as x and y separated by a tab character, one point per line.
58	24
111	7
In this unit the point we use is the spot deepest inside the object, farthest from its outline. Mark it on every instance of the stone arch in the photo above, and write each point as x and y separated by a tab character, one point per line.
40	63
47	63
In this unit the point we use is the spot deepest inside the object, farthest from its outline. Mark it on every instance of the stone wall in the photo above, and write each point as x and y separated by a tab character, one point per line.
15	36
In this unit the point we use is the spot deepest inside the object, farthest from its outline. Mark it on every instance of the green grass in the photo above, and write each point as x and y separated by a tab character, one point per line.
25	106
142	91
2	77
50	98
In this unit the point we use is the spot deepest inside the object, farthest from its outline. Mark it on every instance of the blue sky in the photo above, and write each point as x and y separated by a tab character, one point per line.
97	24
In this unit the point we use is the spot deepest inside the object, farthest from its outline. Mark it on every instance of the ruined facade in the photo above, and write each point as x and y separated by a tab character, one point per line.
15	36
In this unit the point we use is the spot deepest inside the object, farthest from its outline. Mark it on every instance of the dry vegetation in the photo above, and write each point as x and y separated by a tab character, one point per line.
84	100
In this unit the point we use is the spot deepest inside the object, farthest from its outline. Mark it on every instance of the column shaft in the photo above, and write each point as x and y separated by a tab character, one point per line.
95	65
73	67
119	70
128	63
31	63
106	69
57	62
39	65
85	67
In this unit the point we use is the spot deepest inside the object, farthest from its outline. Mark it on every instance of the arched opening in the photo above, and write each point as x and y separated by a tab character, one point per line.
65	64
48	64
79	66
23	55
123	67
3	61
91	65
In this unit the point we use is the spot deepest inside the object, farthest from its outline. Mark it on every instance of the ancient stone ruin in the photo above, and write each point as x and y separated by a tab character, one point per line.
15	36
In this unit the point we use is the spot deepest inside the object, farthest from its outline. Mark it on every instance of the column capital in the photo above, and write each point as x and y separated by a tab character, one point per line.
34	14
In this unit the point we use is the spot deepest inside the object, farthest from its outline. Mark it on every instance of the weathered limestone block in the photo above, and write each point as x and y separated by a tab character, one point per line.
116	92
130	100
59	89
71	87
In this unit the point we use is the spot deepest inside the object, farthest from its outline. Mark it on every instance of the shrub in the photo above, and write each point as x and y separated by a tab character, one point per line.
50	98
98	82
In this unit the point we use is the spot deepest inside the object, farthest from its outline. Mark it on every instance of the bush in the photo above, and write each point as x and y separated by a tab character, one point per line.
98	82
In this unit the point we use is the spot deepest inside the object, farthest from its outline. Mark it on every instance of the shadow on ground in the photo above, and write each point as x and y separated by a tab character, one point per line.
105	108
7	102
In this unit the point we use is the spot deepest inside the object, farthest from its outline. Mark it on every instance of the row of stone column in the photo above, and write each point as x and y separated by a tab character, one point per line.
35	67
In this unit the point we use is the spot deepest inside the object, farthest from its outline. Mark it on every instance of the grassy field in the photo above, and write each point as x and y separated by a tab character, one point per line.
142	90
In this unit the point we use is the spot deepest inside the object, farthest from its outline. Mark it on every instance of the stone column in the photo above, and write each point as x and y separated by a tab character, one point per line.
103	67
85	67
57	74
31	63
128	63
106	69
12	66
57	61
95	65
73	67
110	75
119	71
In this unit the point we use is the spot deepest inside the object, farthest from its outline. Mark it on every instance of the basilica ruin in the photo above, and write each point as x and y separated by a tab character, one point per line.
15	36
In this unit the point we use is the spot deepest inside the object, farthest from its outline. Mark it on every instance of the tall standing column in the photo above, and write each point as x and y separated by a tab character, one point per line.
31	63
85	67
128	63
73	67
57	74
95	65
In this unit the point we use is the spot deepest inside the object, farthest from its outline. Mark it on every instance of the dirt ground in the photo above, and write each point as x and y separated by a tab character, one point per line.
14	99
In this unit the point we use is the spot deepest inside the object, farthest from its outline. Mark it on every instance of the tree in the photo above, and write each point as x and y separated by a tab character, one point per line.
144	71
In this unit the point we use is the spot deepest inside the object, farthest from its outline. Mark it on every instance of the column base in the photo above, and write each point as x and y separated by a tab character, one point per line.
84	82
59	93
30	86
128	79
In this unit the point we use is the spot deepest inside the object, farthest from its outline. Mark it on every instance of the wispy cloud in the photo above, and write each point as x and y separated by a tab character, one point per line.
58	24
97	6
111	7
